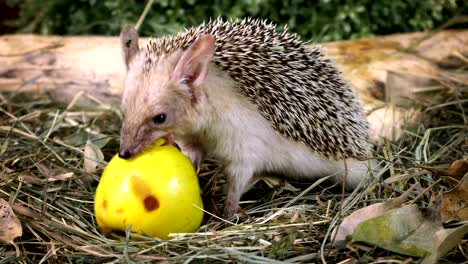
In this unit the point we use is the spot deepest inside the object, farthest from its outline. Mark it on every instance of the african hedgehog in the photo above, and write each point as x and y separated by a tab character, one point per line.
256	99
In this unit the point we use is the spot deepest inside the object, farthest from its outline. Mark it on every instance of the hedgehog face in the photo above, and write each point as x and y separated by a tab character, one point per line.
159	100
152	105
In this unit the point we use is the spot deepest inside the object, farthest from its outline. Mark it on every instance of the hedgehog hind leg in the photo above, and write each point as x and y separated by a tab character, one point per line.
355	171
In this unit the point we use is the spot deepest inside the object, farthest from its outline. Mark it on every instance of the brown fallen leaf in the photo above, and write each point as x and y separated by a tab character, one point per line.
455	202
351	222
43	169
51	178
25	211
60	177
457	169
10	226
443	241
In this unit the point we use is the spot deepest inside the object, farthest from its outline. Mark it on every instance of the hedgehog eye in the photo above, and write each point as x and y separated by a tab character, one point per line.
159	118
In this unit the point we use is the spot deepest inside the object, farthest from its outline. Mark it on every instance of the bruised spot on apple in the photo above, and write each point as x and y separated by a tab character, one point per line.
151	203
141	188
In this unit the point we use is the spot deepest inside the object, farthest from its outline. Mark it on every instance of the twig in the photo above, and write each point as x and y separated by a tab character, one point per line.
143	15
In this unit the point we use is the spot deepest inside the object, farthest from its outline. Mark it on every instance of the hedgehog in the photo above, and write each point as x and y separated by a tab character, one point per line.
256	99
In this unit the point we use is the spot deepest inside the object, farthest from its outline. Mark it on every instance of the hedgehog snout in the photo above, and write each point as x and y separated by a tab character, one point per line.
125	154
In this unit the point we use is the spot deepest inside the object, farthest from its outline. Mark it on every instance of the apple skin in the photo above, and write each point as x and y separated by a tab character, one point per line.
156	193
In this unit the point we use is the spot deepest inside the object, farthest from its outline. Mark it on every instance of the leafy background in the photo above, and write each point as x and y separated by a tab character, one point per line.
320	20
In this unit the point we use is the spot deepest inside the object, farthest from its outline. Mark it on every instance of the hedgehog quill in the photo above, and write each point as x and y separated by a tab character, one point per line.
256	99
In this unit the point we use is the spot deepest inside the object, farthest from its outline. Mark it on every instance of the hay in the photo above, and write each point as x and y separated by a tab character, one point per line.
42	176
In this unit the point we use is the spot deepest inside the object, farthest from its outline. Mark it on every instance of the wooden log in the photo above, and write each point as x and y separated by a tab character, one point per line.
62	66
380	69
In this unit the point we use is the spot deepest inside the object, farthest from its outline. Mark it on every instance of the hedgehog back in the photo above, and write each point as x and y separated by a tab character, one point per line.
295	88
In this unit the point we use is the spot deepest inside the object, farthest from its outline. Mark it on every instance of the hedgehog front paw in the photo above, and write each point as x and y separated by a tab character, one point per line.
239	175
230	208
194	153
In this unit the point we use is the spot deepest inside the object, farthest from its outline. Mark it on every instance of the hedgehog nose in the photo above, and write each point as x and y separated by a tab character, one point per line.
125	154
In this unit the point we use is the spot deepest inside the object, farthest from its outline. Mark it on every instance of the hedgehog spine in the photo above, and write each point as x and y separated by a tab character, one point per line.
255	47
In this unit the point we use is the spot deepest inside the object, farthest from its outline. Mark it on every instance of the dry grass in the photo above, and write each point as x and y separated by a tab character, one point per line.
42	176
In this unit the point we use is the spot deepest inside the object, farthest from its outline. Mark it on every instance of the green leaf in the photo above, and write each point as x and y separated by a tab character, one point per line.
403	230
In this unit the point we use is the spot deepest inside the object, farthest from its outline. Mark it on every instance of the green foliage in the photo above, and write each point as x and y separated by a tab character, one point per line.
320	20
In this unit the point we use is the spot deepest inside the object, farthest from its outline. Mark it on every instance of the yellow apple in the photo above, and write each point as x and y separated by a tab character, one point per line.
155	192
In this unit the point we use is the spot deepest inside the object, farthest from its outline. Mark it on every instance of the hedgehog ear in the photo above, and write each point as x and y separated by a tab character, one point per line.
129	44
192	67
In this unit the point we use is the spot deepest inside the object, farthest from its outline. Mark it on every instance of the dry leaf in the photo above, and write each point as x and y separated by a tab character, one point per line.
43	169
455	202
92	157
457	169
60	177
403	230
412	231
288	187
81	137
443	241
271	181
351	222
10	226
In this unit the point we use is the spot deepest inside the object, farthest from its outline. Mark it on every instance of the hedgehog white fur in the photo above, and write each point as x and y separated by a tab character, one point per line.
257	99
